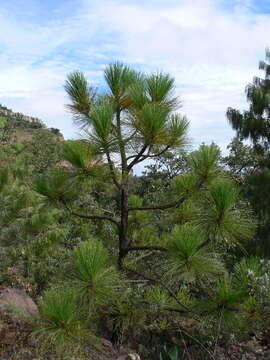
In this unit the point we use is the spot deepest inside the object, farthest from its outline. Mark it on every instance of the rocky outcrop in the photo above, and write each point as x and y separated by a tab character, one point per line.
4	111
18	304
17	312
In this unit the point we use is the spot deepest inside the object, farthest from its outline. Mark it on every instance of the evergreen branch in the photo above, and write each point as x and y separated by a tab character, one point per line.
99	208
95	217
137	158
90	217
166	308
158	154
165	206
141	157
158	281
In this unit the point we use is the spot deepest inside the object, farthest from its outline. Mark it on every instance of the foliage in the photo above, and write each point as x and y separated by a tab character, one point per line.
169	354
253	125
190	260
62	329
95	281
136	259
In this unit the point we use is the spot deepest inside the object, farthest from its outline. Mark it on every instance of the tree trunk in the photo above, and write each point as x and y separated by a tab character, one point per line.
123	240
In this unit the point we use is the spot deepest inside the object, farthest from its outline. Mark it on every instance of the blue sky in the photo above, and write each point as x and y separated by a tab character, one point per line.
211	47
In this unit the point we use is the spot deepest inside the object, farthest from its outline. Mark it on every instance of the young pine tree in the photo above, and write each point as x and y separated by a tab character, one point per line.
179	263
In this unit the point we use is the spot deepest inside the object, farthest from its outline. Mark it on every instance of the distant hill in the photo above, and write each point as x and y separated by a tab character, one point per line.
21	120
17	127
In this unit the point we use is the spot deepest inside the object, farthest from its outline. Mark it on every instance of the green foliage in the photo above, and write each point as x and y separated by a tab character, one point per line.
101	121
169	353
95	280
81	95
61	327
119	78
138	256
184	183
127	317
219	217
159	88
224	195
204	162
57	185
253	125
246	271
42	152
227	296
242	160
177	129
150	122
77	153
190	260
3	178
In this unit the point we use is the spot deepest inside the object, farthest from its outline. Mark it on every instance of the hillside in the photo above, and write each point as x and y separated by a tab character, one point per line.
17	127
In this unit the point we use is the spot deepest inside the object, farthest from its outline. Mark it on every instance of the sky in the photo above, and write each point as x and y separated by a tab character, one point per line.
211	48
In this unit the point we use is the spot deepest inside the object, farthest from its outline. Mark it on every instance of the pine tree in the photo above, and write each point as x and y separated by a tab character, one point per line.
170	249
133	122
254	125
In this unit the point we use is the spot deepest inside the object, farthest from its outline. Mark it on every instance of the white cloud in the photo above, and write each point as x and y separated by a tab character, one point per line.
211	51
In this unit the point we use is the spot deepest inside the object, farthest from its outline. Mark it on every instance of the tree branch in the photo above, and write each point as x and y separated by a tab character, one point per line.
203	244
160	153
137	158
165	308
157	281
166	206
90	217
95	217
144	157
112	170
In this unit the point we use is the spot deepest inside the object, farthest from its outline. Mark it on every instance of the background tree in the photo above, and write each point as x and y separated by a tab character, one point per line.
254	125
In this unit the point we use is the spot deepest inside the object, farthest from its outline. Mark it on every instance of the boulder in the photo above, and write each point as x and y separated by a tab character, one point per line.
19	304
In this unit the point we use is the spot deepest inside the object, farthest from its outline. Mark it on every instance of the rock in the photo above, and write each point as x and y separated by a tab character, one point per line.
20	305
14	335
